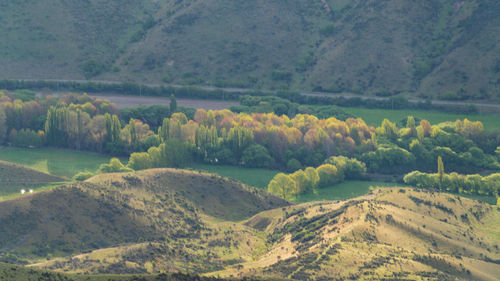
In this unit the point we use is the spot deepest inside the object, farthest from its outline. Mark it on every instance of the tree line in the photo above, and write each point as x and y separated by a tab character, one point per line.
454	182
249	139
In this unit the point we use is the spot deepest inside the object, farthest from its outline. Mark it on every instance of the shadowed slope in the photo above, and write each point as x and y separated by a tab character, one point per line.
447	48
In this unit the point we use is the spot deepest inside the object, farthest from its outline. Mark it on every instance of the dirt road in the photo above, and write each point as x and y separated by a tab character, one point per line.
124	101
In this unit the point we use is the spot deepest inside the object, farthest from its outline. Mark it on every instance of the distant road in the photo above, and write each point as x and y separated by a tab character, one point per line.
483	106
124	101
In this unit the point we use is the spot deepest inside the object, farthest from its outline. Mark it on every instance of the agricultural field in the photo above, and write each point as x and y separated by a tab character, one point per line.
58	162
374	117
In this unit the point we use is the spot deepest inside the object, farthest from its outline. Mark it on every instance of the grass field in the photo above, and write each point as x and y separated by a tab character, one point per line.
261	178
376	116
250	176
63	163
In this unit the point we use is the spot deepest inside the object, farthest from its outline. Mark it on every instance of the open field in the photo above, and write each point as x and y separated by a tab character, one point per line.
250	176
58	162
376	116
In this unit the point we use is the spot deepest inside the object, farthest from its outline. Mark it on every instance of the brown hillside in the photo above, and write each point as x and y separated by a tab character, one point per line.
403	233
11	173
114	209
390	234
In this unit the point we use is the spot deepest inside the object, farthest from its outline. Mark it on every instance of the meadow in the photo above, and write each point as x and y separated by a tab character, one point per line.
250	176
261	177
58	162
375	117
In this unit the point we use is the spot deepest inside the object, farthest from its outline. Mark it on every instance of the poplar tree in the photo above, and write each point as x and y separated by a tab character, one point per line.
133	134
440	171
173	104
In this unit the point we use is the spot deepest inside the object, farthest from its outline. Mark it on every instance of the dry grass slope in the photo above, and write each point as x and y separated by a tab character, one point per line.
390	234
11	173
117	209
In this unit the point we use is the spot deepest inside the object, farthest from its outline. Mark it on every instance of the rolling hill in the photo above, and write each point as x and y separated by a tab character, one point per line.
117	209
445	48
166	220
12	272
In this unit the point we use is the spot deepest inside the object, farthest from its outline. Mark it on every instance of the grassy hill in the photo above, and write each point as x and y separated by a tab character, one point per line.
167	220
392	233
18	273
117	209
447	48
397	233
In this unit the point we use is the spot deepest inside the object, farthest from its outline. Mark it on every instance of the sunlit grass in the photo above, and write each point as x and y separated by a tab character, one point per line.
249	176
376	116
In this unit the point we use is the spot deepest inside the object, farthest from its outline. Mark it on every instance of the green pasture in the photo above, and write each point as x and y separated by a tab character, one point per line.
58	162
376	116
250	176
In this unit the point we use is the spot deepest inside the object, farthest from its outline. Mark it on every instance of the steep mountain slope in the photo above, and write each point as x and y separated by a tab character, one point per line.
443	48
111	210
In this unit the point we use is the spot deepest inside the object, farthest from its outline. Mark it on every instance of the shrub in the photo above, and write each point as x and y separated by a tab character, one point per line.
83	176
293	165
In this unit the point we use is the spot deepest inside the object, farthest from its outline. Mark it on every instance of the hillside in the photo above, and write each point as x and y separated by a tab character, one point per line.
442	48
112	210
15	177
392	233
11	173
18	273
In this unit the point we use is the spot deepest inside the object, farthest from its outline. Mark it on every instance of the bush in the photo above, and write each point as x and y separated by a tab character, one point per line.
83	176
293	165
114	166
